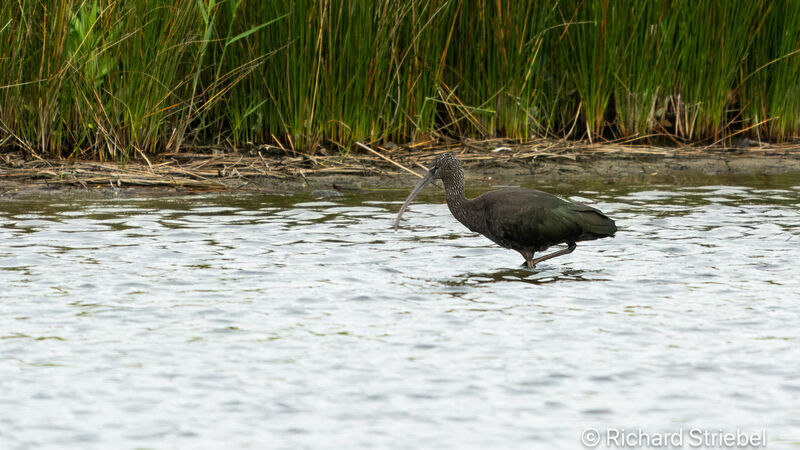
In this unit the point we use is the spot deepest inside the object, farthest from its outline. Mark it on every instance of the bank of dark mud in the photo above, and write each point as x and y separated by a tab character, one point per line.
268	169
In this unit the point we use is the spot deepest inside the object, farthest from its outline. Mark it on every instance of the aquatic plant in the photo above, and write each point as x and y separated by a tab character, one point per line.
109	79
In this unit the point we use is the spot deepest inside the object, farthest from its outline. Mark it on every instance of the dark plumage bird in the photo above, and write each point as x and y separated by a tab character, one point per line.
524	220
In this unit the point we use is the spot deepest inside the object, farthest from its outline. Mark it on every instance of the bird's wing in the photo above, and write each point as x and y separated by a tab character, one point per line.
520	218
517	218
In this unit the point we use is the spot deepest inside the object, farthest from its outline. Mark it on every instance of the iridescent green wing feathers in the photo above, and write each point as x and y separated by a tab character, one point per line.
535	220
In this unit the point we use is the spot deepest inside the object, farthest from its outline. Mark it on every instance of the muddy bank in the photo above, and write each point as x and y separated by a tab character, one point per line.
606	170
382	168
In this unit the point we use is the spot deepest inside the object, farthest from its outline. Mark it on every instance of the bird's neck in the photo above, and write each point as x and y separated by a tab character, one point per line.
458	204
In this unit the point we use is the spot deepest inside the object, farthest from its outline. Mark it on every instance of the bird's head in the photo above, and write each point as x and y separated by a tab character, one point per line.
447	168
445	164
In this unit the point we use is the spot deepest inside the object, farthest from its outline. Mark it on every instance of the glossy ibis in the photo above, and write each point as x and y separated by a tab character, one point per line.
524	220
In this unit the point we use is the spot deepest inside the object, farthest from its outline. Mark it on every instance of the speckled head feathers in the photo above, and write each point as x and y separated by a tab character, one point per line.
446	163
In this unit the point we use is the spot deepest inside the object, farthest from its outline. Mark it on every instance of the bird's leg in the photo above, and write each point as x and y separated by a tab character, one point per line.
570	247
528	259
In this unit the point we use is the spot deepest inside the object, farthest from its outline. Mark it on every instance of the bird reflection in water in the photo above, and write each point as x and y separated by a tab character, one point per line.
524	275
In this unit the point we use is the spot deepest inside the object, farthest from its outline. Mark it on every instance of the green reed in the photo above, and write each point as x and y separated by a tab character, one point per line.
495	79
770	90
113	79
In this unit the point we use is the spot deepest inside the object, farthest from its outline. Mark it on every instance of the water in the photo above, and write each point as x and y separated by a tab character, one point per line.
288	322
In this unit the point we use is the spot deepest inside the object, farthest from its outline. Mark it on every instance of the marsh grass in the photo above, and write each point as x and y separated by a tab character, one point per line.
109	79
770	87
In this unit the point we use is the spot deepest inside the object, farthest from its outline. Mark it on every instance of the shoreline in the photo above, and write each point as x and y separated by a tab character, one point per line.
271	170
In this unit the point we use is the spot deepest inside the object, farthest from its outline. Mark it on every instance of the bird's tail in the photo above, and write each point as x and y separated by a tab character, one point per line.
595	222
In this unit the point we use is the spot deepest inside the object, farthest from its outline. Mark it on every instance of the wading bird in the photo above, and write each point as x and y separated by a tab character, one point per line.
524	220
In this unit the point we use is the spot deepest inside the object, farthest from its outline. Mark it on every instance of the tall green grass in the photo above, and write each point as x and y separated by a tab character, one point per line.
113	79
495	81
105	79
336	72
770	87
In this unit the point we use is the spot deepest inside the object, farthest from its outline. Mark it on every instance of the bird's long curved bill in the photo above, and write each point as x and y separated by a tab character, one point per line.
422	183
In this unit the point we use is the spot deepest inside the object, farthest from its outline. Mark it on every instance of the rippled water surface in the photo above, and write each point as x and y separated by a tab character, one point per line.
287	322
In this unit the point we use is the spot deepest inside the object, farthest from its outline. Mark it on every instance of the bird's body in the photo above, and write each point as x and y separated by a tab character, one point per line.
524	220
528	220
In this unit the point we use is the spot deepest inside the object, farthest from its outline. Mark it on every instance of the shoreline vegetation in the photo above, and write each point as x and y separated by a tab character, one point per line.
272	169
198	91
